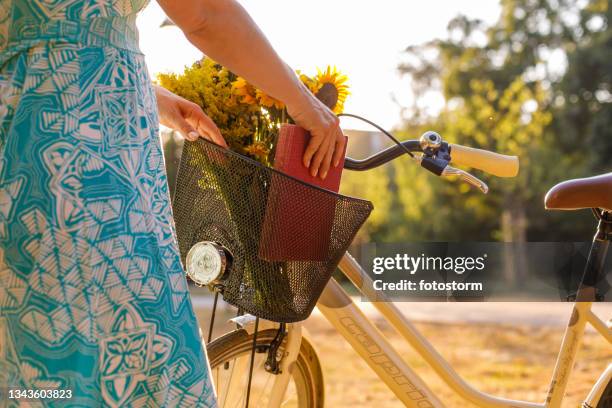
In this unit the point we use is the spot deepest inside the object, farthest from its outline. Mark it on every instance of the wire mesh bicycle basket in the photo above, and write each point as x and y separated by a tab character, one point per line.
285	237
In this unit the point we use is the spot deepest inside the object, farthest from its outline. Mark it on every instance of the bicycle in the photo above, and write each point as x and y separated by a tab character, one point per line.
273	364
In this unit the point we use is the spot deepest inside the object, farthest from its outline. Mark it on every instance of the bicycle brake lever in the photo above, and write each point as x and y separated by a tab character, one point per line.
436	156
450	171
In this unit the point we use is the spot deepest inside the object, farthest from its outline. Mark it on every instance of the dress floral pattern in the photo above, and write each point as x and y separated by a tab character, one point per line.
93	297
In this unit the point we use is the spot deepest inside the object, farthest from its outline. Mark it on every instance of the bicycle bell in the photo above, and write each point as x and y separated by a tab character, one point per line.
430	141
206	263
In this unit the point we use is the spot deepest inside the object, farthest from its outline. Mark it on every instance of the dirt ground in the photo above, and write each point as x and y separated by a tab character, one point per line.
513	362
505	360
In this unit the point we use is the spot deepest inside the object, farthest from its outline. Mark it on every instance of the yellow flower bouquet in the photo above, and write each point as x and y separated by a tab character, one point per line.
226	198
247	117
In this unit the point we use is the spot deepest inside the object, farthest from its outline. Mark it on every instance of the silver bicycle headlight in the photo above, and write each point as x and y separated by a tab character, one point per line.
206	262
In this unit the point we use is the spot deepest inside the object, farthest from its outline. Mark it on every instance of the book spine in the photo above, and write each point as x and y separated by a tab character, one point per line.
285	142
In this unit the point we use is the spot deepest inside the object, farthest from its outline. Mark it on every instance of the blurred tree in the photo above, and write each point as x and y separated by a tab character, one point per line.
373	186
584	98
508	88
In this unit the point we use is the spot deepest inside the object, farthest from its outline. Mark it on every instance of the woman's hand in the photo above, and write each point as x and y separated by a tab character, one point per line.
186	117
327	141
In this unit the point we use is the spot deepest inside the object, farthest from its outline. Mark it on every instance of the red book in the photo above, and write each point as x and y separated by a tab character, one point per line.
299	218
290	148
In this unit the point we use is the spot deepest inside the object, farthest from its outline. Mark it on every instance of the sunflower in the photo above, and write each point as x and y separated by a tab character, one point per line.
309	82
242	88
332	88
268	101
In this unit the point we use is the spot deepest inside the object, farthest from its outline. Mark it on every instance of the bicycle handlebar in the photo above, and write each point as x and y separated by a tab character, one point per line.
381	157
436	156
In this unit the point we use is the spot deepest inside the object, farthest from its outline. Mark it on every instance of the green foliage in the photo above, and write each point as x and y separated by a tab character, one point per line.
504	94
378	183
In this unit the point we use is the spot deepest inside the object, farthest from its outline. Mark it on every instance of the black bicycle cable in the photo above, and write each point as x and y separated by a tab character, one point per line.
389	135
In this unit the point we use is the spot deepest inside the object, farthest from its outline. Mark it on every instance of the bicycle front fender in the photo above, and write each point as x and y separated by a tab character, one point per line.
598	389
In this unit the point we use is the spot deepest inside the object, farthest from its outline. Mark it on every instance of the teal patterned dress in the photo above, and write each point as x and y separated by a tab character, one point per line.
93	297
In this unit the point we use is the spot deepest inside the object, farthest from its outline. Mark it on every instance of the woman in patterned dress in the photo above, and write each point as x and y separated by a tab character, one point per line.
93	298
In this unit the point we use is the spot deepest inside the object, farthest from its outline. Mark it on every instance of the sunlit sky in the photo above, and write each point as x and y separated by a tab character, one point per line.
364	39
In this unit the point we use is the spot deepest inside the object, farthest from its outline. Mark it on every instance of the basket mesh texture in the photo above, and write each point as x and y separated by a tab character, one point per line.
285	237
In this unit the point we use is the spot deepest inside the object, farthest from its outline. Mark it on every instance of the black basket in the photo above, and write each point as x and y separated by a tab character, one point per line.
285	237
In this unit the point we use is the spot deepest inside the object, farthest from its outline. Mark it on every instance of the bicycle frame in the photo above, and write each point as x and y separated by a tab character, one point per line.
371	345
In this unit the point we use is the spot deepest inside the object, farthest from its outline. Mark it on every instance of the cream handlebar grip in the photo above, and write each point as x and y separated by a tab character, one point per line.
496	164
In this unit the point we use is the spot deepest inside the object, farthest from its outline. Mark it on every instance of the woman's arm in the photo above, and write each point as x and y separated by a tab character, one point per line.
223	30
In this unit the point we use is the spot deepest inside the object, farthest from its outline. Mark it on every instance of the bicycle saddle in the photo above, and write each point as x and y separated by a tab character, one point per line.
590	192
